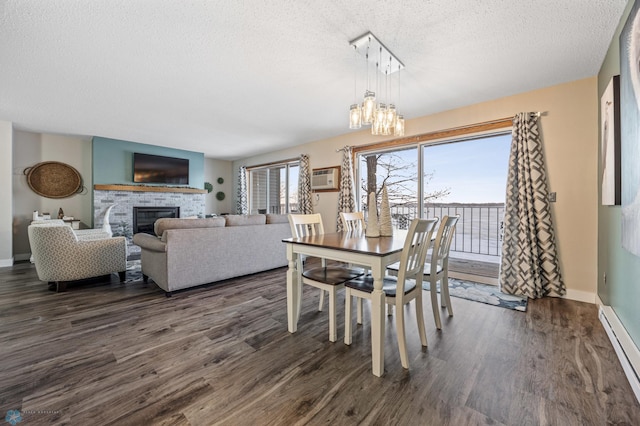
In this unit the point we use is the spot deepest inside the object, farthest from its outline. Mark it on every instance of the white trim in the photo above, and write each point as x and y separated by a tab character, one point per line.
580	296
474	278
628	353
6	262
21	257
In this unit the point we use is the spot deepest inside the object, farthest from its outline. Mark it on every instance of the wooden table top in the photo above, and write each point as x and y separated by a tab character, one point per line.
354	242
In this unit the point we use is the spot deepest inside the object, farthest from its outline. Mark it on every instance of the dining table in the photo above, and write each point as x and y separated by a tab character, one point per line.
354	247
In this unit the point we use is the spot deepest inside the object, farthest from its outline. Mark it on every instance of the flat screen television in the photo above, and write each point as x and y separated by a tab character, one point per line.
149	168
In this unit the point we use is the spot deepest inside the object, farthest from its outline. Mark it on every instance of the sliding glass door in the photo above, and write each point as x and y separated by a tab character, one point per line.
274	188
462	176
468	178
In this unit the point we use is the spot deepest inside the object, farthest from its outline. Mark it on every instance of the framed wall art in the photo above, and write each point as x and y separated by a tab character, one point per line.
630	130
610	143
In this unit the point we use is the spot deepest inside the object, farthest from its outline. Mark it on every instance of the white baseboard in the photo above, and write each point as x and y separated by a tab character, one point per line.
580	296
22	256
6	262
474	278
628	353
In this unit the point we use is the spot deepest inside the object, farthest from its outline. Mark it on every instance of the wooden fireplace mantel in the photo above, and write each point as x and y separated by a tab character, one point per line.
144	188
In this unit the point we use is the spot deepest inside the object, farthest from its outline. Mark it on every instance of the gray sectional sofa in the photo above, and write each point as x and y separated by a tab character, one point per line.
190	252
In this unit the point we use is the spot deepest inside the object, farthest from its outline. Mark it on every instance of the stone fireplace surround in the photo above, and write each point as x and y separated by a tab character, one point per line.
126	197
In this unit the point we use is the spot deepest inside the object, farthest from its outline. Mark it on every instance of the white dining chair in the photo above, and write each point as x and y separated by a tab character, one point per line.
437	268
400	290
326	278
353	221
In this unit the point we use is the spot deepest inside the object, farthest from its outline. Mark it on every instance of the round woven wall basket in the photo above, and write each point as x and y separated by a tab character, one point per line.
52	179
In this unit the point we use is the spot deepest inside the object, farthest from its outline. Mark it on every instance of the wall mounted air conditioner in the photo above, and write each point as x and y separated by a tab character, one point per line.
325	179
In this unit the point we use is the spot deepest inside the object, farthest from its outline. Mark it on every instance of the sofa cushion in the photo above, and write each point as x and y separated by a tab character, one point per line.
242	220
277	218
165	223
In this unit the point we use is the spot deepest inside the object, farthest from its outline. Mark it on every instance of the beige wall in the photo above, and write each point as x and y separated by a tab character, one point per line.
214	169
570	138
30	149
6	232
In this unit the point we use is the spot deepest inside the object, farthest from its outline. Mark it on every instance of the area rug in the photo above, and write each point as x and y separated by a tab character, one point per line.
483	293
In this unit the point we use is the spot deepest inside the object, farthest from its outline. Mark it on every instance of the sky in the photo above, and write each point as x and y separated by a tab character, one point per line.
475	170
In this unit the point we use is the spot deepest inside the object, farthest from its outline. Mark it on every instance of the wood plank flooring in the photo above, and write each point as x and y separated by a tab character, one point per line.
108	353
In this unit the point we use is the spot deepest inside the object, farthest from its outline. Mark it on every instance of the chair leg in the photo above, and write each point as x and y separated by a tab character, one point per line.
444	297
359	310
420	318
333	327
347	315
122	275
61	286
434	302
321	305
402	339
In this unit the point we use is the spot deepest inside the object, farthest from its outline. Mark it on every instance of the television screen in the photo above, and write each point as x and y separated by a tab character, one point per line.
149	168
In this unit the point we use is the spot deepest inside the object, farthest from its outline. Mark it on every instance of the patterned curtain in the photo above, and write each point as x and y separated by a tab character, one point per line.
242	206
304	186
346	198
530	264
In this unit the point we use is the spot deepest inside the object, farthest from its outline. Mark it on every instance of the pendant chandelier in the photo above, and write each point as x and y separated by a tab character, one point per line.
382	115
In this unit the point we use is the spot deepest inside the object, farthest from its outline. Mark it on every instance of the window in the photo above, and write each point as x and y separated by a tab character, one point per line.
465	176
398	170
274	188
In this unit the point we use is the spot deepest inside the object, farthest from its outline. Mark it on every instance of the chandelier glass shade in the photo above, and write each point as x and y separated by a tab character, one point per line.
383	115
355	117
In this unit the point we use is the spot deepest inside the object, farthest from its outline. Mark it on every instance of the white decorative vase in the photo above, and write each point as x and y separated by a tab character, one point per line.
373	229
386	228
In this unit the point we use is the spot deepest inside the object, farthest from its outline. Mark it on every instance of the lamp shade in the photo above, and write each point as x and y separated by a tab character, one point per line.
355	117
399	129
368	107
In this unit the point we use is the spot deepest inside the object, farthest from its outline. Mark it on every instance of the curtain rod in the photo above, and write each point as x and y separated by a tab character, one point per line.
487	125
257	166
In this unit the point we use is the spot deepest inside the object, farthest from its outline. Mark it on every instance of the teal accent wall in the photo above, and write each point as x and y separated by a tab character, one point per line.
113	161
622	288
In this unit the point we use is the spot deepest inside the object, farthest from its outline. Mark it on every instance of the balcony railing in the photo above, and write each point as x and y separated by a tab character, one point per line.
479	229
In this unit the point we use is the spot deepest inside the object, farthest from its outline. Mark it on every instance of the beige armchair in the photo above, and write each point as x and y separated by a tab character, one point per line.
60	256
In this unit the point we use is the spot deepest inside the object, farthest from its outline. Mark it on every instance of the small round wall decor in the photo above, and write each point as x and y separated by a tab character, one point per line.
220	195
220	180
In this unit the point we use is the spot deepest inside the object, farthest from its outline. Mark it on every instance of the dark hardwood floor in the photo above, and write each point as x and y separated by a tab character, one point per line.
108	353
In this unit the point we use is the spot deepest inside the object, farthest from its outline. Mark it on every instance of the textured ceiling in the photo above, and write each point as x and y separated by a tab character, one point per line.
236	78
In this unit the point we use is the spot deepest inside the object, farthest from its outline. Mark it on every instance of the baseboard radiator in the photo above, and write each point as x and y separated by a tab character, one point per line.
628	353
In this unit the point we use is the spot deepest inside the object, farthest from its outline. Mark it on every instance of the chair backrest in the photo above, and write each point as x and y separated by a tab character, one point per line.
49	241
442	245
306	224
415	250
353	221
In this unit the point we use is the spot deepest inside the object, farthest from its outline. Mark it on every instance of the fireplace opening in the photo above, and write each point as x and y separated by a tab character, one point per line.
145	217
